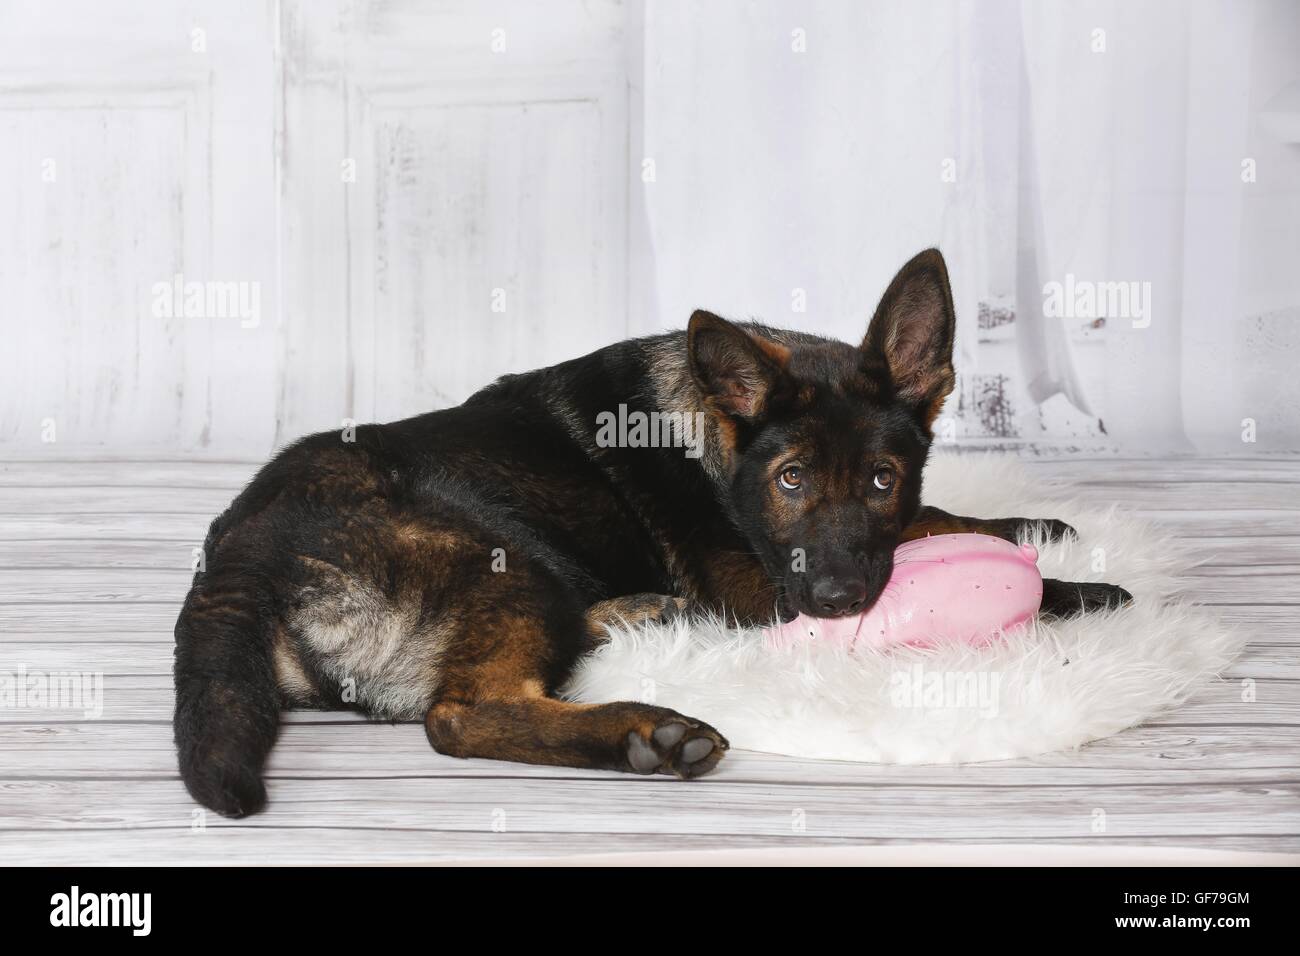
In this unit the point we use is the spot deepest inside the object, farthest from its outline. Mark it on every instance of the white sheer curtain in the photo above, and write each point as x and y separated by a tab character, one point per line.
798	154
779	172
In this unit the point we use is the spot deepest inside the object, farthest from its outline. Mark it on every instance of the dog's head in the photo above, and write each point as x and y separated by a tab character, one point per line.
824	442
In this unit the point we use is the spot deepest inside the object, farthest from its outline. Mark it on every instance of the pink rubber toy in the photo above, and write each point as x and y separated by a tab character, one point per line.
945	588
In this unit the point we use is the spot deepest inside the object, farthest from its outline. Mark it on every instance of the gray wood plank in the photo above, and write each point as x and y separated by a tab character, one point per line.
1235	586
666	806
1161	496
1285	468
103	657
95	585
1214	522
1172	753
80	620
230	475
148	697
65	499
80	554
1245	551
187	529
339	846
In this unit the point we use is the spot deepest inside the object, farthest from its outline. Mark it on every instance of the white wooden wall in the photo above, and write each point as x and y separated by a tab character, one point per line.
125	158
424	196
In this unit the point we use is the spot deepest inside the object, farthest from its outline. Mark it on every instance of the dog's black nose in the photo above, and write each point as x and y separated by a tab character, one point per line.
835	597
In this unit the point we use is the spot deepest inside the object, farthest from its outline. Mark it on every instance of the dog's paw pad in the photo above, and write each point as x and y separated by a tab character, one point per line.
696	749
679	747
669	734
641	755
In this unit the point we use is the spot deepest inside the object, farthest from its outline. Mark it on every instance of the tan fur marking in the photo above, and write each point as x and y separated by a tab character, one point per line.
372	641
425	536
290	676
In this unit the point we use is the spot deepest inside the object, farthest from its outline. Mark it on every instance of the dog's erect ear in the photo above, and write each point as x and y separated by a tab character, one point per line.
735	370
913	331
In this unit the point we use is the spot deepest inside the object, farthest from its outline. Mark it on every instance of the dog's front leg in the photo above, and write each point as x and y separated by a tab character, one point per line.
1060	598
634	609
1070	598
931	520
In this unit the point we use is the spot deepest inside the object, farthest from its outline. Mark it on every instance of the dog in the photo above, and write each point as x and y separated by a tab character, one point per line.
454	566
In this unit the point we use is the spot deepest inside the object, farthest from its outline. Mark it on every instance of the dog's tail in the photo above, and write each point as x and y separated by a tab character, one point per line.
227	699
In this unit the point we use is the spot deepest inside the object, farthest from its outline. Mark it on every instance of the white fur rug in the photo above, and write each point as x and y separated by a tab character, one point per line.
1051	687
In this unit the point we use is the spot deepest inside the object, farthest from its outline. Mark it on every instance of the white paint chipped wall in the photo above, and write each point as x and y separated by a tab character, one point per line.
390	204
417	202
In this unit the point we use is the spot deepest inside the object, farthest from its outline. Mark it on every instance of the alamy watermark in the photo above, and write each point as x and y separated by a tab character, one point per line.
945	690
1085	299
636	429
179	299
74	908
53	690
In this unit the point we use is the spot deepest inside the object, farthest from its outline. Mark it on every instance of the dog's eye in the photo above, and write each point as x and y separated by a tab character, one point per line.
791	478
883	479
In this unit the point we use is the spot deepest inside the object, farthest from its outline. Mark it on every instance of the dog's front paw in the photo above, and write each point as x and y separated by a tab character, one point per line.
1069	598
682	609
1016	530
1056	529
679	746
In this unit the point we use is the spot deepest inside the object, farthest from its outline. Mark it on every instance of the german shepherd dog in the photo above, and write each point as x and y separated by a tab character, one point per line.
454	566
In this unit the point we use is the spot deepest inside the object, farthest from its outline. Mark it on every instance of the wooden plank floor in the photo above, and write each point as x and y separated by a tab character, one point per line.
94	561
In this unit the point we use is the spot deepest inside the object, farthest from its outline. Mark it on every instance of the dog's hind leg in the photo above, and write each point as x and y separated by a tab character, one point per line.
627	736
495	700
931	520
